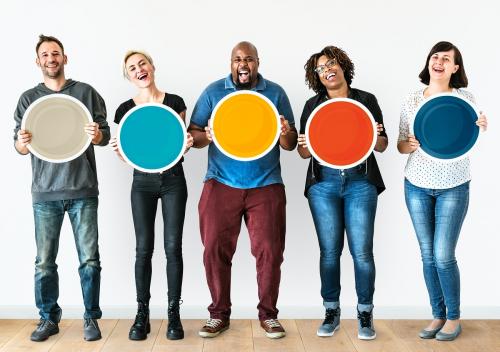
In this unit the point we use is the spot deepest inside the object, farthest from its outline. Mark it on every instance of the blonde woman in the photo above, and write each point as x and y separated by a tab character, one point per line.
147	188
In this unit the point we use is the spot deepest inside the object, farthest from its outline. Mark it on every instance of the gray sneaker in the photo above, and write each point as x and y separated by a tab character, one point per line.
44	329
330	324
91	330
366	330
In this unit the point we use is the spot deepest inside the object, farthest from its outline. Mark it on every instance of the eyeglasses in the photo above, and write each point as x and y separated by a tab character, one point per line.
247	60
322	68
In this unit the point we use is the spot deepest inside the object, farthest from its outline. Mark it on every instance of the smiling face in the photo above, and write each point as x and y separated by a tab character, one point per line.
139	70
332	76
442	65
51	60
244	66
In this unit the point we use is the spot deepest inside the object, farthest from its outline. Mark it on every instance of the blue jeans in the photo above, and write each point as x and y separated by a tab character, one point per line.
344	200
437	216
48	221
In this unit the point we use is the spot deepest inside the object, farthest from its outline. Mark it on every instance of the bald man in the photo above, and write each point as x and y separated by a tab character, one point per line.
252	190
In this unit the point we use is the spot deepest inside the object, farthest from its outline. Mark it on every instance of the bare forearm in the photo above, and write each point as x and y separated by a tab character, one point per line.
21	149
289	140
200	139
381	144
98	138
304	152
404	147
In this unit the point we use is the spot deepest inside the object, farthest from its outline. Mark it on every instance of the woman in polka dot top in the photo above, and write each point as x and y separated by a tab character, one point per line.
437	193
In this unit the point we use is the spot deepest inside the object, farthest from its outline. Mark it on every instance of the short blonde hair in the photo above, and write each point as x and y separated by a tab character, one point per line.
129	54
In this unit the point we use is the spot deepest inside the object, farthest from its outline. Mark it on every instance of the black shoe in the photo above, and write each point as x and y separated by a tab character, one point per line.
91	331
174	329
44	329
141	327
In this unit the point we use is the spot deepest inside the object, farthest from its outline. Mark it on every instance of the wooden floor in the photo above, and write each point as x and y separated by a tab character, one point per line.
246	335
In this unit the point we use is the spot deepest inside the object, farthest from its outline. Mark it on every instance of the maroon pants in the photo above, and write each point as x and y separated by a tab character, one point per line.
221	209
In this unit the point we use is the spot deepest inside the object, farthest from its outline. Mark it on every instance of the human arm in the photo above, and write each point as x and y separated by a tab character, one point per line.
407	143
21	137
302	147
288	135
199	128
22	141
382	140
189	137
482	122
98	130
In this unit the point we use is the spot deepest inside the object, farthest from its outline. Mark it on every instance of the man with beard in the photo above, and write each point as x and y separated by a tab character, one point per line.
64	187
250	189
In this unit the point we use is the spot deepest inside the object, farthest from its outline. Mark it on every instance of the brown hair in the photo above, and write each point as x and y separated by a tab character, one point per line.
47	38
457	79
345	63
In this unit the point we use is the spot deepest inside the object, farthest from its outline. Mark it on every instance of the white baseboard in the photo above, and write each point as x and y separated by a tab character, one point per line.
250	312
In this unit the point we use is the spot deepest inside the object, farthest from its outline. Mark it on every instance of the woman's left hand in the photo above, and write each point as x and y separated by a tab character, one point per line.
189	142
380	128
482	122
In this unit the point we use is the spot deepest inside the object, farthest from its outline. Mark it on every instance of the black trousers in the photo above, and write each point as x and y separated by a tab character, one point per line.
170	188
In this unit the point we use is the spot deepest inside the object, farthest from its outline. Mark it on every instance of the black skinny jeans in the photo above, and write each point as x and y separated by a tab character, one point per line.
170	187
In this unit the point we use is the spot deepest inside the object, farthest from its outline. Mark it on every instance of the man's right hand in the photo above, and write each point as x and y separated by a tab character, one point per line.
23	139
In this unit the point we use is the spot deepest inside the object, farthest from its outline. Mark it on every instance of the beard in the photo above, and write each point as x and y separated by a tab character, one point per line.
53	74
246	85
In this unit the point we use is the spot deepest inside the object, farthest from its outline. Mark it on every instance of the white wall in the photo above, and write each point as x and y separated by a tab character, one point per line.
191	43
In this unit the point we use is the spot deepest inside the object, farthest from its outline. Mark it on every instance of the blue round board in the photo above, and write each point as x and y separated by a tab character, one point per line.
445	126
152	137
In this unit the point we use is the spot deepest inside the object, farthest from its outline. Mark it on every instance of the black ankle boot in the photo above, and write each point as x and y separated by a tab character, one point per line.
141	327
174	329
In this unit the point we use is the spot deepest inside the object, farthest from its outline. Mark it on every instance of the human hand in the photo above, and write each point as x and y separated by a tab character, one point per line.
380	128
189	142
208	131
301	140
113	143
482	122
92	129
285	126
413	143
23	138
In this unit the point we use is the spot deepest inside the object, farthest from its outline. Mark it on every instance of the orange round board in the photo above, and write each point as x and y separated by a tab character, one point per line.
341	133
245	125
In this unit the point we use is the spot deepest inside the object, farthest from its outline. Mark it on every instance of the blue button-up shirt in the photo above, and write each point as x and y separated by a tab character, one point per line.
234	173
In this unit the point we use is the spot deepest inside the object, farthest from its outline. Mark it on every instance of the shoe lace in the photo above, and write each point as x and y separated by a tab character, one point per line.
173	309
42	324
140	316
365	319
213	323
272	323
330	315
90	322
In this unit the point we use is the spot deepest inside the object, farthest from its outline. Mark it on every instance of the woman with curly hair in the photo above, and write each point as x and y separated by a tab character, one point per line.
342	200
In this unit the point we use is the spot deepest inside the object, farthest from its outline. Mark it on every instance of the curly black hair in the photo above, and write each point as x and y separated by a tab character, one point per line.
312	78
